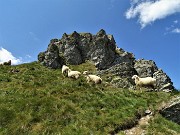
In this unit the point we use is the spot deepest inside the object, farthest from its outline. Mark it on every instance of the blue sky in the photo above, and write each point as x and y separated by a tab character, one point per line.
148	28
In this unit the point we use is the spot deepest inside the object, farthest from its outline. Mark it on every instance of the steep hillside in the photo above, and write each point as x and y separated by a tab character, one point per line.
38	100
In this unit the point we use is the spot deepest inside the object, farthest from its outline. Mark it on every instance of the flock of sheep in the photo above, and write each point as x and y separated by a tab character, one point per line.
76	74
147	81
66	71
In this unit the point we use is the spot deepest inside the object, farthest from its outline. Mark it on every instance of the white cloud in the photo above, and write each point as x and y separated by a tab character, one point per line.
176	30
6	56
149	11
176	21
135	1
28	56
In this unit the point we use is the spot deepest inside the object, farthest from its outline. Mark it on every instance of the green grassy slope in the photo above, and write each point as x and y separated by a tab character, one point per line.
38	100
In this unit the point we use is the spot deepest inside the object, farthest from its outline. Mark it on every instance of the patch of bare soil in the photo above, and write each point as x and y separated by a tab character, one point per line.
138	129
143	122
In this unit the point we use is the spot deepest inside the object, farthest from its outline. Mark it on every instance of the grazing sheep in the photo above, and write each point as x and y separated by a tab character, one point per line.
147	81
73	74
92	78
65	69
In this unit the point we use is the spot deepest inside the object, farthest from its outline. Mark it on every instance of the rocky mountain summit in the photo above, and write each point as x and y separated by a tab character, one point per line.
101	49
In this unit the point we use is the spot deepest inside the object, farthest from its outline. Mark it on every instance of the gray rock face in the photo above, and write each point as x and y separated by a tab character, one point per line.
123	70
51	58
123	56
163	81
101	49
145	68
77	48
120	75
172	111
72	55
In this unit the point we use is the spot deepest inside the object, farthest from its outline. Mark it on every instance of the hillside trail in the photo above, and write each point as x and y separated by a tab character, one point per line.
143	122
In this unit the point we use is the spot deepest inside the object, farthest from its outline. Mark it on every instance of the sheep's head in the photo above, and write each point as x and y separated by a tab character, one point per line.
64	66
85	72
135	77
69	70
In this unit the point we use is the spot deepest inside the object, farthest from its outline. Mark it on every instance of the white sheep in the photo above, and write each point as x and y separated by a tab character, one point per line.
73	74
65	69
92	78
147	81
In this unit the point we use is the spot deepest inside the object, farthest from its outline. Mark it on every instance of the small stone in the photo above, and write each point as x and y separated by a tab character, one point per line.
148	112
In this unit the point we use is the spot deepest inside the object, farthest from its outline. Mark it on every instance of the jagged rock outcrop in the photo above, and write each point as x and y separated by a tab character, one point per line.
123	56
115	63
163	81
172	111
76	48
79	47
51	57
145	68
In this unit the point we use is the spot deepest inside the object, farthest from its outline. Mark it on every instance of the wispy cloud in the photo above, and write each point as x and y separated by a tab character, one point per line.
33	36
176	30
112	3
176	21
135	1
5	56
28	56
149	11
